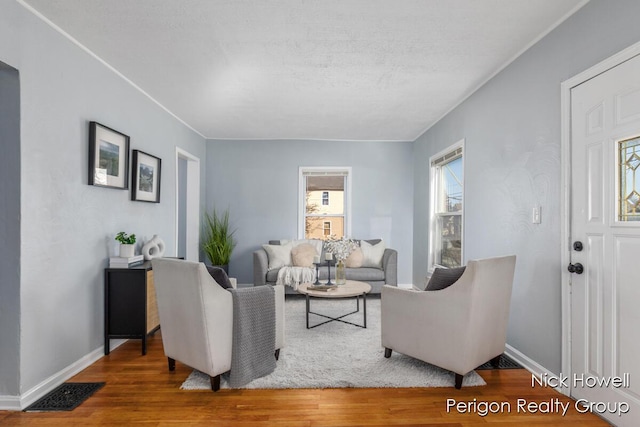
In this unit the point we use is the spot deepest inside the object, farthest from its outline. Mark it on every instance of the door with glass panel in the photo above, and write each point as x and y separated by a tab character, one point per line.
605	242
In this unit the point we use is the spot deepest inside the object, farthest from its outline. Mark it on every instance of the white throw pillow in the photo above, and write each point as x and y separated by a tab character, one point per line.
279	255
372	254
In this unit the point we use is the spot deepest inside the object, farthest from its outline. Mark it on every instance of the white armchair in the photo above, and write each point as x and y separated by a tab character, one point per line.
196	317
457	328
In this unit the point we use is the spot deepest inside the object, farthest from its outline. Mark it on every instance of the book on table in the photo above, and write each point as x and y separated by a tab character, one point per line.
324	288
122	262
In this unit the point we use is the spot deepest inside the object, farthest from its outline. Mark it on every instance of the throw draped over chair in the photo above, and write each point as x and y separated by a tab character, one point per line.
196	317
457	328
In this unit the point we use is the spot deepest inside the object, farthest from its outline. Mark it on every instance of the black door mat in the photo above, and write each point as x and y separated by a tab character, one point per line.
66	397
505	363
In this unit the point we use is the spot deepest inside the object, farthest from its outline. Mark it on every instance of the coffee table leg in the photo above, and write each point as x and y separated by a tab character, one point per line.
364	305
307	311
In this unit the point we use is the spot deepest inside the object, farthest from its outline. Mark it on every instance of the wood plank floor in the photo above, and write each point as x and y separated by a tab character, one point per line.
140	390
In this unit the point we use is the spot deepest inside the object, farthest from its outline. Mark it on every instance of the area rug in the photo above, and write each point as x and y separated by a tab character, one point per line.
65	397
338	355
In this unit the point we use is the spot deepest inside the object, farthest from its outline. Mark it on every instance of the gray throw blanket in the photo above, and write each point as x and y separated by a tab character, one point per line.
254	334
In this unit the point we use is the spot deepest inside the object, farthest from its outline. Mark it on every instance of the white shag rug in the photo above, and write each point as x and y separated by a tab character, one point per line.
337	355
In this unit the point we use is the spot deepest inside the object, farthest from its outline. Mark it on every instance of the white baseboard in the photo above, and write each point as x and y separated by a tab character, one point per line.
10	403
18	403
532	366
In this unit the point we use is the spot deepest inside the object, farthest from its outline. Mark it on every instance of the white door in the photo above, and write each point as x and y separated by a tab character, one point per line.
605	219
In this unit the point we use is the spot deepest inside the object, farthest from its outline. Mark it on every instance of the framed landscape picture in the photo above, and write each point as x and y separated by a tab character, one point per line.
145	181
108	157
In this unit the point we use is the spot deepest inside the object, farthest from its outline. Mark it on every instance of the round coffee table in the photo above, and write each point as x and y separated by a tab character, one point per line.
352	289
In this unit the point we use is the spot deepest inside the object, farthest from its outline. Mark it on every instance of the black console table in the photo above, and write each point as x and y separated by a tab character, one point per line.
130	308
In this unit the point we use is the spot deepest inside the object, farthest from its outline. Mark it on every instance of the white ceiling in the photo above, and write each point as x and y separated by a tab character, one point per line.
307	69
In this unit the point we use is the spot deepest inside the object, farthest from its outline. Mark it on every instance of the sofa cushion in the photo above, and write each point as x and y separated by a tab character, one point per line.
303	254
365	274
355	258
443	278
220	276
372	254
279	255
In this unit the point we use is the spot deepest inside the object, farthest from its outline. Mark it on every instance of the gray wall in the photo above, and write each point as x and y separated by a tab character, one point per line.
67	226
9	230
258	181
512	162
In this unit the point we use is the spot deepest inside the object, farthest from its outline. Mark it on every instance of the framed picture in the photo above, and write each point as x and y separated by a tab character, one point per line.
108	157
145	181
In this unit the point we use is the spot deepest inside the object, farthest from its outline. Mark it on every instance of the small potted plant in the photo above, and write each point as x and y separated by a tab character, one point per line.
217	240
127	244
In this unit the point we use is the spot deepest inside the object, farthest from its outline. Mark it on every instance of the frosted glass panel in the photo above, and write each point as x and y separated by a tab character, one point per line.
629	180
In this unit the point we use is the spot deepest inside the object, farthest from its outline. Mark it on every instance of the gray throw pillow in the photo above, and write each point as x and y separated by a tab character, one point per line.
220	276
443	278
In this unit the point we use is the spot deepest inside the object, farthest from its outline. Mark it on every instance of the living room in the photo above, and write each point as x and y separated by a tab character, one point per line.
51	293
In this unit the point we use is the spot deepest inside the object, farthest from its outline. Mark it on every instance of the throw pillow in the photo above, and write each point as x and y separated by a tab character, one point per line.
316	243
220	276
443	278
372	254
355	258
302	255
279	255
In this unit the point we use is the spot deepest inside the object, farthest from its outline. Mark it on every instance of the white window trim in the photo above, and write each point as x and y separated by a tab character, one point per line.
433	201
328	170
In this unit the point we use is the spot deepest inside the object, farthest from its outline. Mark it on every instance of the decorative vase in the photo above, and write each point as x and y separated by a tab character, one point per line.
341	274
154	248
127	251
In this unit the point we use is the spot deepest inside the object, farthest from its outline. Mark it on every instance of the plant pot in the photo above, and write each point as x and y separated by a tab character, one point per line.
127	251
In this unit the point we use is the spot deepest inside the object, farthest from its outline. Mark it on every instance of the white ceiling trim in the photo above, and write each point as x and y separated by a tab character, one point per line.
505	65
105	63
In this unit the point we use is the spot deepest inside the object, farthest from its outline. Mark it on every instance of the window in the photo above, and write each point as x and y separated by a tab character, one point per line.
324	202
327	228
447	191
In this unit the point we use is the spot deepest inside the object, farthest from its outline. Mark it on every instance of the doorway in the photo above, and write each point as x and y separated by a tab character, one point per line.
187	205
601	143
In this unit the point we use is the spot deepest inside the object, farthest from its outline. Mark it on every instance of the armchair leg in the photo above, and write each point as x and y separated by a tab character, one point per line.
387	352
277	354
215	383
459	381
495	362
172	364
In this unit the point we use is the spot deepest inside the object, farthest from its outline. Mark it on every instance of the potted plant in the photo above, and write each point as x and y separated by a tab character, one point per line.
127	244
217	239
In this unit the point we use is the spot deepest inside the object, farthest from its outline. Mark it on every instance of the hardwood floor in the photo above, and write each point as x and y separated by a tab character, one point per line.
141	390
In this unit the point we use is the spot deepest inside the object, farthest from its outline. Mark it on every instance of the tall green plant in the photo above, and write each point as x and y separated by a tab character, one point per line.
218	242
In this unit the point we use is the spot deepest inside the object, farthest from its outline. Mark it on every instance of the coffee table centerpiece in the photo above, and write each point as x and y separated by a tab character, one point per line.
340	249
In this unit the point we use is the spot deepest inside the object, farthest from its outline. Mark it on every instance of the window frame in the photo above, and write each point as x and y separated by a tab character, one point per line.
434	215
303	171
325	199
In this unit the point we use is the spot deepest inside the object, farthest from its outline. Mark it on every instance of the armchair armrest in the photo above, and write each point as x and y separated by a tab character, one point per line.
260	267
390	266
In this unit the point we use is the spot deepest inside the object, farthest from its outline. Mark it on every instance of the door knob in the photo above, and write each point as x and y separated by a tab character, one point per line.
576	268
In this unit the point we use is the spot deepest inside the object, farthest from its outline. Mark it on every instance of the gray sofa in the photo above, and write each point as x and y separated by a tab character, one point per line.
376	277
